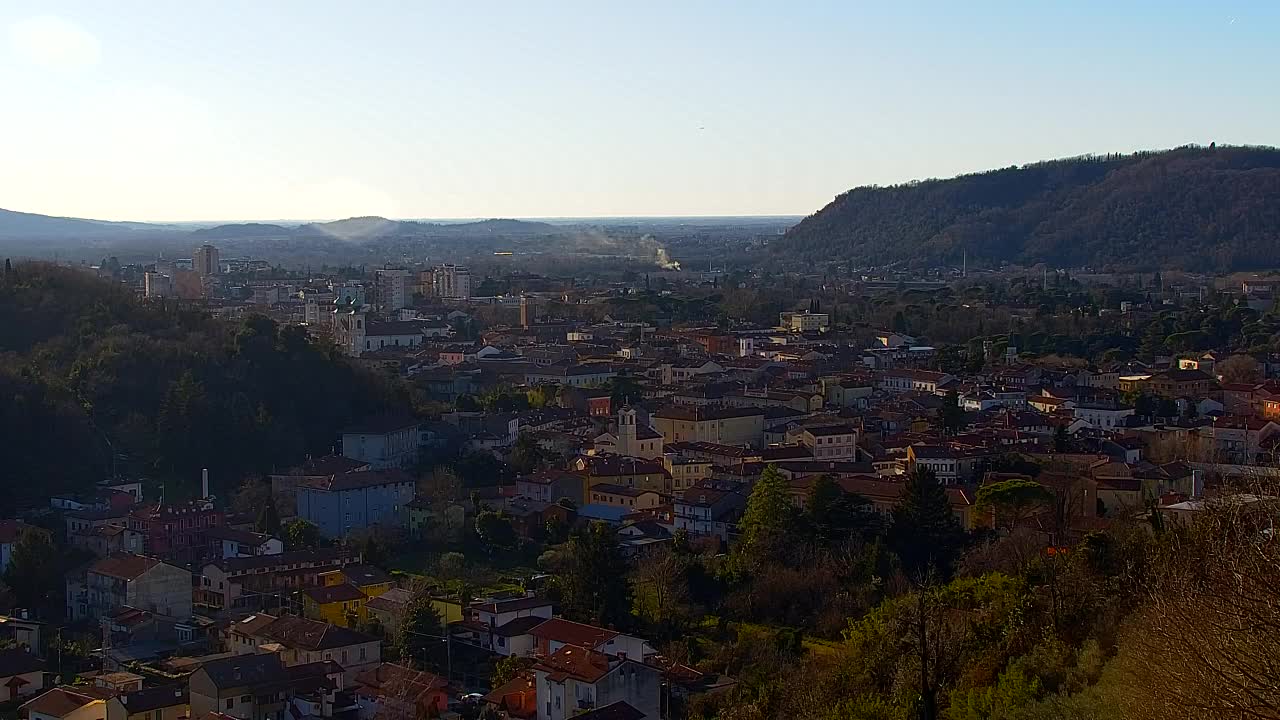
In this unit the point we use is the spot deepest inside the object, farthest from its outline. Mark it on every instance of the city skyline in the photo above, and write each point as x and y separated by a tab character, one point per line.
319	111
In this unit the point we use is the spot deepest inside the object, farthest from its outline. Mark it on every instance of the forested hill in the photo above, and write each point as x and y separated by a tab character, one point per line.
87	369
1192	208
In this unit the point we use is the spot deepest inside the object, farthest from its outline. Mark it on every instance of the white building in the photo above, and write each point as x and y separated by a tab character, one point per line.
632	438
831	442
158	284
393	288
452	281
573	680
349	326
1102	417
382	442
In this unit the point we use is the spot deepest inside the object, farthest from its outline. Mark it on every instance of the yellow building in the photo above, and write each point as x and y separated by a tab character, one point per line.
167	702
621	496
341	598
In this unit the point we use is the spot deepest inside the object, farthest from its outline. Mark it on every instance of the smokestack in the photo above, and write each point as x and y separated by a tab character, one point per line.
204	482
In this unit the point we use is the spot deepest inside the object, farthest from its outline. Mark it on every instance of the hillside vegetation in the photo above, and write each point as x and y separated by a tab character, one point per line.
1192	208
88	370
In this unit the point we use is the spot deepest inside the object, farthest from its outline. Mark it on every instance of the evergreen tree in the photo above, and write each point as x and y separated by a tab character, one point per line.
590	575
766	520
33	575
420	631
925	533
268	520
952	415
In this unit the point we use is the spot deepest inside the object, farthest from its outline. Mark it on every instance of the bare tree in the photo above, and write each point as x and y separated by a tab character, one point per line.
1209	637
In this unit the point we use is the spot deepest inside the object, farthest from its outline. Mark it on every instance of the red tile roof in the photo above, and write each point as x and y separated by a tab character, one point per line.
572	633
123	566
574	662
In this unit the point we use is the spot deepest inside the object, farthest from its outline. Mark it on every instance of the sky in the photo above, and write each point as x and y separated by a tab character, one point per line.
319	110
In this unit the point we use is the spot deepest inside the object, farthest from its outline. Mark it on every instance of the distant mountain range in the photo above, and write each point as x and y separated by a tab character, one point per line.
30	226
1215	208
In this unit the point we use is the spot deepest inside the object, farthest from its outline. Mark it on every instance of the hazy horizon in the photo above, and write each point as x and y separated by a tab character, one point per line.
252	111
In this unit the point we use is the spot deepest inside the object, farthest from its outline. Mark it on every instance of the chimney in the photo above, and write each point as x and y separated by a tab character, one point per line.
204	482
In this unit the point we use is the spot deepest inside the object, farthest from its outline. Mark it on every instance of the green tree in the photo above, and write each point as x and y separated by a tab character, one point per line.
766	521
508	669
590	575
836	515
300	534
925	534
34	575
1013	501
1061	441
421	630
495	530
951	414
526	455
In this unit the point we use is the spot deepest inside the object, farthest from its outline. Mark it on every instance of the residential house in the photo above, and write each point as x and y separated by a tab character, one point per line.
342	595
517	698
78	702
505	626
721	425
339	504
81	520
103	540
571	375
25	632
907	380
243	582
229	542
1174	384
550	485
177	532
830	442
1102	416
383	442
938	459
11	533
802	322
135	581
300	641
21	675
1238	440
709	509
624	471
284	487
575	679
165	702
686	472
388	690
556	633
625	497
258	687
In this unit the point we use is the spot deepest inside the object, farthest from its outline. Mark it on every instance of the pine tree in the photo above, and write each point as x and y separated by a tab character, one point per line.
766	520
420	631
925	533
268	520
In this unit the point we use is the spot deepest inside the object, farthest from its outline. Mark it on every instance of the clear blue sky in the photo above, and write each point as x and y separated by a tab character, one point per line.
258	110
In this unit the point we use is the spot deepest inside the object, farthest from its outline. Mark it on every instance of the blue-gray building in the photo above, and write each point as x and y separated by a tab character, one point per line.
338	504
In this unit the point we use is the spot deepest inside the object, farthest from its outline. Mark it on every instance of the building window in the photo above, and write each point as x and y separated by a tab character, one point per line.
230	703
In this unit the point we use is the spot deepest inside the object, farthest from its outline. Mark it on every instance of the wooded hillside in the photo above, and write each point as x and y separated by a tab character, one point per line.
1191	208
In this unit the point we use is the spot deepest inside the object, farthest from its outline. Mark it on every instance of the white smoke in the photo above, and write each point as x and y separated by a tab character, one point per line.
664	260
